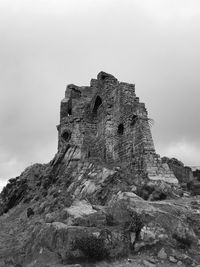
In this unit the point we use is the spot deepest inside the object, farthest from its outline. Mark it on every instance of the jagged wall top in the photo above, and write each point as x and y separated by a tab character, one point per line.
105	121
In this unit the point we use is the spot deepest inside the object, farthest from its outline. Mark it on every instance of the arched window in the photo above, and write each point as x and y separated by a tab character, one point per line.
120	129
66	135
98	102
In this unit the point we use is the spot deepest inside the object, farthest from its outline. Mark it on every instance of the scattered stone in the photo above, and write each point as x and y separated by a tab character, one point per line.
80	209
152	260
184	235
133	189
148	263
133	236
188	260
73	265
179	263
50	217
162	254
42	207
138	246
9	261
172	259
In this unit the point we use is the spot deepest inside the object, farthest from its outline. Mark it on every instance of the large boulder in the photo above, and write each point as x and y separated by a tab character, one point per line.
74	243
162	221
79	209
56	237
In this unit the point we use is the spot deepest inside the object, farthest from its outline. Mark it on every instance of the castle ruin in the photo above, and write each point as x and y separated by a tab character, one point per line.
107	122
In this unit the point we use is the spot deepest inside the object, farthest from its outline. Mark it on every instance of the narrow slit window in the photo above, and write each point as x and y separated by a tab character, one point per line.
120	129
69	111
98	102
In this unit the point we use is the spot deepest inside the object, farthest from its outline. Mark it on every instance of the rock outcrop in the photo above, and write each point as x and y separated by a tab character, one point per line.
105	194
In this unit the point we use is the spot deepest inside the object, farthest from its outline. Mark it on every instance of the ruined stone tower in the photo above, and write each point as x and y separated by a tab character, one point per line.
106	122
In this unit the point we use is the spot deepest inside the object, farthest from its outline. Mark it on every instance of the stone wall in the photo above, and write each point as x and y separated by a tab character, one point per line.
107	121
183	173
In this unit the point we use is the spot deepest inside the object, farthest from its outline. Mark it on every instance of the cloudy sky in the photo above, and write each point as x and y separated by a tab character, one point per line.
47	44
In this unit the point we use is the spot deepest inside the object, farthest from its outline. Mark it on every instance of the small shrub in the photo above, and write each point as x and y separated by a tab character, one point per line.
145	191
183	242
190	185
158	195
46	183
30	212
135	224
92	247
109	219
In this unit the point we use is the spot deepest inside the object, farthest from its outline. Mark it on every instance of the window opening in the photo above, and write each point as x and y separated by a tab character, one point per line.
98	102
66	136
120	129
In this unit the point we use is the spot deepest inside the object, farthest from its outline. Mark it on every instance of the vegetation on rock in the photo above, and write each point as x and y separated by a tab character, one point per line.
93	247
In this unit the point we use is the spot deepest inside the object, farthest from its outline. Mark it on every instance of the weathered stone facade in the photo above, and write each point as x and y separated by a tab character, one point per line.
106	121
183	173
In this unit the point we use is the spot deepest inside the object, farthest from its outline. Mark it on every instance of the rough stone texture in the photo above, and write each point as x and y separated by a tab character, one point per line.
183	173
162	254
79	209
189	179
106	180
106	121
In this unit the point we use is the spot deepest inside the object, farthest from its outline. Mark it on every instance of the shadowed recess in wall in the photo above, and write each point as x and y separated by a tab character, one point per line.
66	136
97	104
120	129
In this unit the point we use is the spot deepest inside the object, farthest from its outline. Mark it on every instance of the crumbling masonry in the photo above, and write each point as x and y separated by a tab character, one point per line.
106	122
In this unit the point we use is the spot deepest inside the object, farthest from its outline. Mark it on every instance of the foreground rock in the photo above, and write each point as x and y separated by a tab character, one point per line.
168	230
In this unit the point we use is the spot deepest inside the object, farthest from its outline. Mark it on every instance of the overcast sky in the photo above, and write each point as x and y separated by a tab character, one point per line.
47	44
